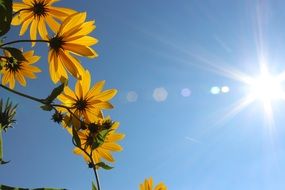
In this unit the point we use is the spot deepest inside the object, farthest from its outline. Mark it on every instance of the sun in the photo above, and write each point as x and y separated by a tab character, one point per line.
266	87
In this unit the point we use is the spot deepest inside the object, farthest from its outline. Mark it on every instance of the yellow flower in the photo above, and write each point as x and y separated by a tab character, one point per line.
38	13
148	185
87	103
105	149
70	38
14	70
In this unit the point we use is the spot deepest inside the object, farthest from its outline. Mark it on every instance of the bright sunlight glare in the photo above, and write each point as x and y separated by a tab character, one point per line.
266	87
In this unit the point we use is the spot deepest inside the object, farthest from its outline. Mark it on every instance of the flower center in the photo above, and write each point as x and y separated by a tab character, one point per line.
56	43
39	9
13	65
81	104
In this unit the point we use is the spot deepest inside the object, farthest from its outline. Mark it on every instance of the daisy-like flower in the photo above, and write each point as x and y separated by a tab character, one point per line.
87	103
14	70
104	150
38	13
148	185
71	38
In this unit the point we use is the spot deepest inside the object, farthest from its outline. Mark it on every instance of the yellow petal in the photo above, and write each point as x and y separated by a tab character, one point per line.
21	17
105	154
69	94
25	26
34	59
18	6
28	54
105	95
21	79
33	31
28	2
53	24
42	29
78	89
86	80
112	147
5	78
79	49
52	69
80	31
60	12
104	105
12	81
68	64
97	88
72	21
84	40
28	74
34	69
115	137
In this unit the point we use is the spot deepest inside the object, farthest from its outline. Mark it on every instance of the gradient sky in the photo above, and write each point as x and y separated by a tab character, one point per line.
198	141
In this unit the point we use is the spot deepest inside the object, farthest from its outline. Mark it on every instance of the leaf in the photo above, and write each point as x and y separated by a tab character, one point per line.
76	137
104	166
5	16
93	186
100	138
5	187
16	53
55	92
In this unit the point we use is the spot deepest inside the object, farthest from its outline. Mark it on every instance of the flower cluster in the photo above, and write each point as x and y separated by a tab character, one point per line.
67	38
79	111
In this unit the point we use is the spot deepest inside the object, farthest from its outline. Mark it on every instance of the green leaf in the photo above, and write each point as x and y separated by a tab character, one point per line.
5	187
100	138
46	107
76	137
5	16
55	92
104	166
16	53
93	186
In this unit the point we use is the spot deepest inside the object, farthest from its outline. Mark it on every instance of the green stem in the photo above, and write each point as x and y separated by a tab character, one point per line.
22	94
39	100
95	170
21	41
17	12
92	162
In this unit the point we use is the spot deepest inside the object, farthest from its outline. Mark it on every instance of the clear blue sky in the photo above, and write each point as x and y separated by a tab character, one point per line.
186	142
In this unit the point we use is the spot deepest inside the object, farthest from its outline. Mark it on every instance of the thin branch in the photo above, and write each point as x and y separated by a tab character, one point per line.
21	41
92	162
22	94
17	12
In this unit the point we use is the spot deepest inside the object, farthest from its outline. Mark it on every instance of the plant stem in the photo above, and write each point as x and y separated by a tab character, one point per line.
96	175
95	170
21	41
22	94
92	162
15	13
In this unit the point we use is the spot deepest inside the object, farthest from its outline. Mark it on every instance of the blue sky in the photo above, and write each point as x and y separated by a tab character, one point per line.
189	143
